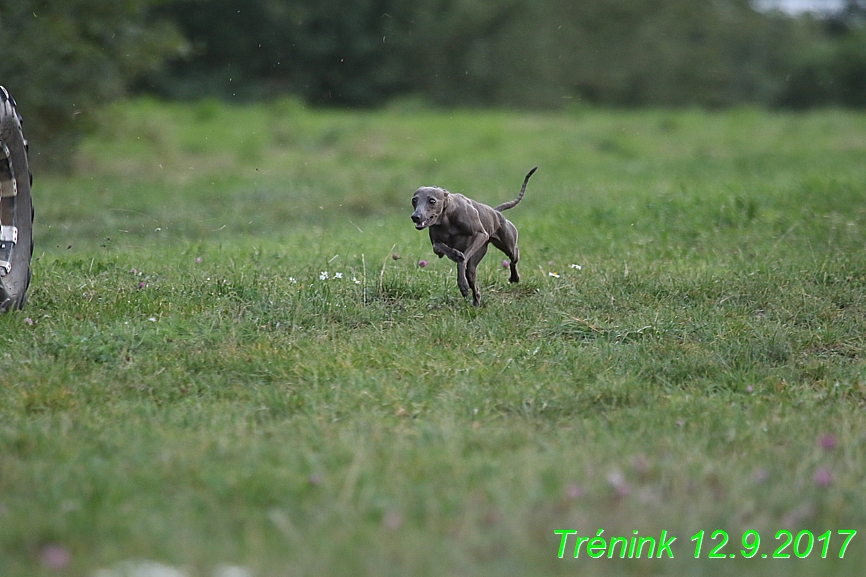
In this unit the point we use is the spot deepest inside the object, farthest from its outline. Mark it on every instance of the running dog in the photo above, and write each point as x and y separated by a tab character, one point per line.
461	228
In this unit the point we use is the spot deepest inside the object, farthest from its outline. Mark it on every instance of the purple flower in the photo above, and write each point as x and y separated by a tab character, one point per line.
392	520
823	477
573	491
759	475
827	442
54	557
422	263
505	264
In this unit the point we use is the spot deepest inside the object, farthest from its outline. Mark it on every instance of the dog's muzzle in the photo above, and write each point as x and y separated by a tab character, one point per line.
419	221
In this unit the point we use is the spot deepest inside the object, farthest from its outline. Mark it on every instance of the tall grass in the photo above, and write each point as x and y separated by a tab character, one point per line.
684	351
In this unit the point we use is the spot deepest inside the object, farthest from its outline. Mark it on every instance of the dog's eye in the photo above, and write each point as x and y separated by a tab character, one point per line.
432	201
414	202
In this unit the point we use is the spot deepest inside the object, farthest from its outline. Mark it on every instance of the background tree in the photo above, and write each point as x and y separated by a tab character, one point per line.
485	52
61	60
830	70
327	51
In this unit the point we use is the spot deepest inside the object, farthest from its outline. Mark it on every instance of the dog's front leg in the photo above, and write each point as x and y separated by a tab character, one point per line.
471	267
441	249
472	256
462	283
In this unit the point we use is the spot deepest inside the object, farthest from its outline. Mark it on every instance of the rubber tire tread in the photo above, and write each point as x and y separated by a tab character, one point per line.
14	285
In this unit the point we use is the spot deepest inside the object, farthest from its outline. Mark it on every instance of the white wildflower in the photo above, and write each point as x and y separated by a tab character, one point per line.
232	571
323	275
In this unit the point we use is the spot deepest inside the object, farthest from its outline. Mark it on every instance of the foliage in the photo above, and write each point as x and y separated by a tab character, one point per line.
832	70
327	51
671	53
185	387
63	60
516	53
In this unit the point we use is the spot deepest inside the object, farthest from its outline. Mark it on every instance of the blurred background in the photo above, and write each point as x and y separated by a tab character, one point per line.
65	60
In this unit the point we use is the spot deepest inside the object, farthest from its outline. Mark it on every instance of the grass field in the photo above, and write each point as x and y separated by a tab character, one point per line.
685	351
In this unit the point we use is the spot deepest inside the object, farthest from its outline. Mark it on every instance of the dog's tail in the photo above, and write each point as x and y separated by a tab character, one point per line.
513	203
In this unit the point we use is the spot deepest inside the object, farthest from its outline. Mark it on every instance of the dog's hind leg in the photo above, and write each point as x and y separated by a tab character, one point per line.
512	260
507	243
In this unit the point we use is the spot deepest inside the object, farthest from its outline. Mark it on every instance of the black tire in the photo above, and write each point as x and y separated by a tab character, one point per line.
16	208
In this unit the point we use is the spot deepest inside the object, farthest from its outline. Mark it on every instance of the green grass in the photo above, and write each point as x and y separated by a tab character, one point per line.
182	387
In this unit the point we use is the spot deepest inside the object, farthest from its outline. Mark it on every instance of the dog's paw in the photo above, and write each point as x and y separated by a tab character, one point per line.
456	256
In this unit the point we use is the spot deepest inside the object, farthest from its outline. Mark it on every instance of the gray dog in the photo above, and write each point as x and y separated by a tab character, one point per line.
461	228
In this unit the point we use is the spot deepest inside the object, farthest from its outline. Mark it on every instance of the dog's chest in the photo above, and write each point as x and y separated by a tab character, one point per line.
455	238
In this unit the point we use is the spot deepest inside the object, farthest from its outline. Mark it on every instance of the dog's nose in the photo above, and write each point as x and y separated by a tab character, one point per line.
416	218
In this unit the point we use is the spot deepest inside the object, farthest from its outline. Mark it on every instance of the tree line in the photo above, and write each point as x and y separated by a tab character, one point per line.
63	60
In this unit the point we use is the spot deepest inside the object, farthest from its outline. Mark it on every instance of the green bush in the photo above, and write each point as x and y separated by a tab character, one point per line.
829	73
62	60
483	52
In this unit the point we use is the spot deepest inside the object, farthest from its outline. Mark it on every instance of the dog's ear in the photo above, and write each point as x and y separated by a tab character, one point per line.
445	197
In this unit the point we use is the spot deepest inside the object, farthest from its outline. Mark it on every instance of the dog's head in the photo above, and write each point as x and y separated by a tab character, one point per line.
429	203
